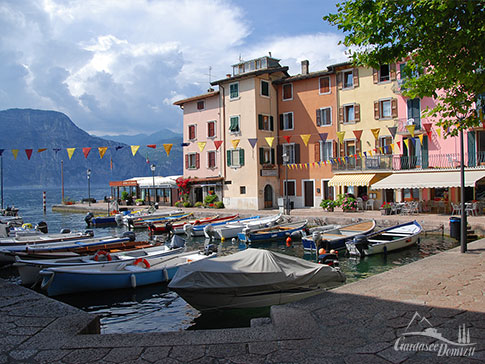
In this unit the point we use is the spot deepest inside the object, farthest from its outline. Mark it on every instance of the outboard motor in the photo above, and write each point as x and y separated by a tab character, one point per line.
89	232
317	238
209	249
89	218
209	231
169	228
188	229
65	231
129	234
42	227
330	259
359	243
296	235
119	219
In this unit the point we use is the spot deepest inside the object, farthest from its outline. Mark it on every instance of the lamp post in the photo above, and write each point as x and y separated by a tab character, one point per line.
463	224
152	167
286	159
88	172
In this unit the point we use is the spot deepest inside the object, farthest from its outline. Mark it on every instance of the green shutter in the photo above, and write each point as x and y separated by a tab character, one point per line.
241	157
271	123
272	156
472	150
228	154
425	153
260	122
261	155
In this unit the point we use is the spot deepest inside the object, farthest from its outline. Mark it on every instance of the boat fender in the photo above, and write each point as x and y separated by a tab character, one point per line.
288	241
27	225
142	260
101	253
65	231
129	234
165	275
133	281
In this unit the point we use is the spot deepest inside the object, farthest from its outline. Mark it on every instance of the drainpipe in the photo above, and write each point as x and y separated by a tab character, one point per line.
223	132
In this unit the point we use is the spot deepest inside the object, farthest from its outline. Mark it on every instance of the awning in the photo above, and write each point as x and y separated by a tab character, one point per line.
441	179
351	179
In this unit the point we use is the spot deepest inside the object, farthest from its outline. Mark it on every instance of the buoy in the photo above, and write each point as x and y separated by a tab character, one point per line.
222	239
288	241
321	251
133	281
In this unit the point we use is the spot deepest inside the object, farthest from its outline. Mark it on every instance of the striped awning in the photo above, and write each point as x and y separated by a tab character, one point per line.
351	179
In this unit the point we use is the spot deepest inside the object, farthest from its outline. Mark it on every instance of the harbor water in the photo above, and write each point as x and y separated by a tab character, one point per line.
157	309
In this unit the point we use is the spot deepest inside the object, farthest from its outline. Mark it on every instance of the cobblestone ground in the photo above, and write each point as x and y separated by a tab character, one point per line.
363	322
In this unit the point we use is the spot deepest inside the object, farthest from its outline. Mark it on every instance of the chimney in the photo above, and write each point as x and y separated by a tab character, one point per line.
305	67
228	75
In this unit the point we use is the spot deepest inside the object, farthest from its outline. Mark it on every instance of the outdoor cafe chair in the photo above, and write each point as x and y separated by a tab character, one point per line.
456	208
471	208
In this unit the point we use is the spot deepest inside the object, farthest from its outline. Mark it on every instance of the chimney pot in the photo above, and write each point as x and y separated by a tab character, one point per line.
305	67
228	75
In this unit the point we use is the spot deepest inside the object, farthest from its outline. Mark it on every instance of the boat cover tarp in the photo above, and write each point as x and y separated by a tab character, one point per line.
254	270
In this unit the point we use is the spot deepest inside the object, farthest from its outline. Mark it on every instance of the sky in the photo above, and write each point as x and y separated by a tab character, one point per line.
116	66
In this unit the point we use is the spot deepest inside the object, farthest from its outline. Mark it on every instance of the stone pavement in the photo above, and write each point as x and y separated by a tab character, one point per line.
361	322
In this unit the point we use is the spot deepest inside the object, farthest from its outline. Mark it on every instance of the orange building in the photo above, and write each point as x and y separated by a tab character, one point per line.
307	107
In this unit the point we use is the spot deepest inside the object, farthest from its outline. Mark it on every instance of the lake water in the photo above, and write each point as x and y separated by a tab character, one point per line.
155	308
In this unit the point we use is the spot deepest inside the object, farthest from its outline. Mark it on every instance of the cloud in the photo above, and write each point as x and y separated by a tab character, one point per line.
117	66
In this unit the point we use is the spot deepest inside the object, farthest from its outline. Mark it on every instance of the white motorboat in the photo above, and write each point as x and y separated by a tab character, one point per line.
232	228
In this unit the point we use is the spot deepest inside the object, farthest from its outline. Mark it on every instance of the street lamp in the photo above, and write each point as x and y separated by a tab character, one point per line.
463	242
286	159
88	172
152	167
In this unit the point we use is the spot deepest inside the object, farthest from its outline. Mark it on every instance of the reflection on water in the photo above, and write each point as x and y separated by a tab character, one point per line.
155	308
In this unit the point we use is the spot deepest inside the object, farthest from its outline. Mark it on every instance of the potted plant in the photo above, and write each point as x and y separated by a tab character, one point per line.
385	208
349	204
329	205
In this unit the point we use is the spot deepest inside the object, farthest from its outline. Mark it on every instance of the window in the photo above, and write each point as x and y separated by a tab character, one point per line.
287	91
235	157
264	88
324	85
289	186
192	161
265	122
266	156
385	144
324	116
200	105
192	133
326	150
414	111
211	129
385	109
234	124
286	121
348	79
211	159
234	91
242	190
289	149
349	114
384	73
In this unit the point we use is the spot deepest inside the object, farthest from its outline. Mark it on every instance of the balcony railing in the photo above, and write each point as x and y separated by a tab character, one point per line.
384	162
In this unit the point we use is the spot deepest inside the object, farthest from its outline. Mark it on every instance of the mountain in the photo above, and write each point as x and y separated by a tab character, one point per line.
143	139
24	129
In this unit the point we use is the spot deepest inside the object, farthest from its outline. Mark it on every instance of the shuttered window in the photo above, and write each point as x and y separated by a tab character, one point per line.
287	91
234	124
235	157
265	122
211	159
324	116
211	129
192	132
324	83
286	121
234	90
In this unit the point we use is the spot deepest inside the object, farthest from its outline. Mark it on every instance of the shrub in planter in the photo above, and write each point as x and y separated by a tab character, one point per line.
219	205
328	204
198	204
210	198
178	203
187	204
124	195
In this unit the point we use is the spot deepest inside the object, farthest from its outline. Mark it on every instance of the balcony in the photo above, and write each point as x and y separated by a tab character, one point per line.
402	124
396	162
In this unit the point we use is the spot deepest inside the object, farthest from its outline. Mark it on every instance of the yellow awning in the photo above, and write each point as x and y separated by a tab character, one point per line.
351	179
435	179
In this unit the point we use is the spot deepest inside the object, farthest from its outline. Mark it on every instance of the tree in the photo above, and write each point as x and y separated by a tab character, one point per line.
443	42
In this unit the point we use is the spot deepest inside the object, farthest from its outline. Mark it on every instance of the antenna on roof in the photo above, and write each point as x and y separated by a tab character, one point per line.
270	54
210	69
240	57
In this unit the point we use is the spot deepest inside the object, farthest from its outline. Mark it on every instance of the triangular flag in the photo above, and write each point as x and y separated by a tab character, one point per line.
253	142
438	131
411	129
399	146
235	143
1	152
392	147
360	155
370	152
15	152
167	148
184	144
341	135
269	140
380	150
406	141
323	136
365	153
201	145
358	134
154	146
421	138
101	151
29	153
392	130
86	152
376	131
70	152
134	149
413	141
111	163
40	150
287	138
305	138
118	147
217	143
427	127
57	150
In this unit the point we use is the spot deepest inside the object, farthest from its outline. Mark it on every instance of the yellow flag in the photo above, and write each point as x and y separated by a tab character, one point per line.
134	149
235	143
438	130
269	140
341	135
370	152
380	150
70	152
411	129
305	138
360	155
406	141
392	147
201	145
101	151
15	152
167	148
40	150
421	138
376	132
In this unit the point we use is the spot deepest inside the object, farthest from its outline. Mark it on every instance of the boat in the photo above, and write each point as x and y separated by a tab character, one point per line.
232	228
198	230
274	233
252	278
336	237
148	214
386	240
29	268
102	277
143	223
178	226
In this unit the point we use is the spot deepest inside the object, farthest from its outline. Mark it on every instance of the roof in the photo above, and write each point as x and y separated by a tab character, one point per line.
252	74
300	77
196	98
160	181
333	66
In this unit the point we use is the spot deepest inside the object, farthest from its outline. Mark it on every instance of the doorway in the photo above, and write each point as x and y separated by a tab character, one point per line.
198	194
268	197
308	191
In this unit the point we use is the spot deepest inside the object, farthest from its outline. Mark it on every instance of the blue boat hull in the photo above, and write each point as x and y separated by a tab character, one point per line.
200	228
270	236
103	221
338	244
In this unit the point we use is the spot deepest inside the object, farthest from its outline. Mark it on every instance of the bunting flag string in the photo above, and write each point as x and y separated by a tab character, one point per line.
287	138
70	152
154	146
376	132
411	128
305	138
421	138
201	145
15	152
269	140
28	152
323	136
438	131
406	142
235	143
167	148
86	152
252	142
341	135
101	151
358	134
392	130
217	144
40	150
134	149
